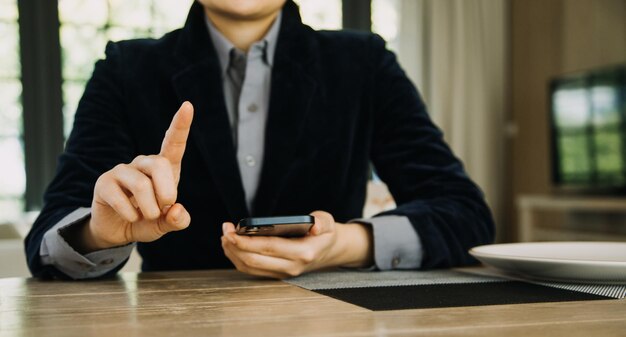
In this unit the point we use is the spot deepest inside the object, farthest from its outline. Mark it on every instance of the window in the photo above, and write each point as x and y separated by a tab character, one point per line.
318	14
386	21
588	129
87	25
13	181
403	24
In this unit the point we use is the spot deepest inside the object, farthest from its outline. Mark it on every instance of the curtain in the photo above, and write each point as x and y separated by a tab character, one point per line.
456	52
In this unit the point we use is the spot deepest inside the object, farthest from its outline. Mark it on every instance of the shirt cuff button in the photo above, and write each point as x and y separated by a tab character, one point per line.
395	262
83	264
106	262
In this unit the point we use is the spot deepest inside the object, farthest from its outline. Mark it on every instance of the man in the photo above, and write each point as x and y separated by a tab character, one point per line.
277	119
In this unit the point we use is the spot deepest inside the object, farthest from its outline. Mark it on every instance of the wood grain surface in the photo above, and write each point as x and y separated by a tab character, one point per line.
228	303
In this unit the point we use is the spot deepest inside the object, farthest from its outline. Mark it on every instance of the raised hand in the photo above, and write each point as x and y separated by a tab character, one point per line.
137	201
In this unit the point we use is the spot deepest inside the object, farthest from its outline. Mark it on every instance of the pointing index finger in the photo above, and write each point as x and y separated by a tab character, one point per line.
175	140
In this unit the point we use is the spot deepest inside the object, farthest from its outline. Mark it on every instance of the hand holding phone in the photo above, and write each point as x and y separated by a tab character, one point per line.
285	226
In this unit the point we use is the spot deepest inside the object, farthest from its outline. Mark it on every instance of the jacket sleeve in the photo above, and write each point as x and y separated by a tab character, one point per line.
427	181
100	139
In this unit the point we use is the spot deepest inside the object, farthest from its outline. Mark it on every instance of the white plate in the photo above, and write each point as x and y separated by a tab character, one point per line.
586	262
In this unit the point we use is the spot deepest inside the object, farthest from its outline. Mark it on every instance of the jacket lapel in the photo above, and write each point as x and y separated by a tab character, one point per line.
293	87
200	82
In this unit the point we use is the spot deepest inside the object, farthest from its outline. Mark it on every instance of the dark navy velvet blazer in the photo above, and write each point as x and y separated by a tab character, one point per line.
339	101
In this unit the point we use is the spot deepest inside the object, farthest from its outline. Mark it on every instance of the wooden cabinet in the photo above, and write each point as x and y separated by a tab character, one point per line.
605	216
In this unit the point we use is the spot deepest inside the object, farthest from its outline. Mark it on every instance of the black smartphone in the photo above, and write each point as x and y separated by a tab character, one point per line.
286	226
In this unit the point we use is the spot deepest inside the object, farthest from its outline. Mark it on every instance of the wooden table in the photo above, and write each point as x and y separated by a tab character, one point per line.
227	303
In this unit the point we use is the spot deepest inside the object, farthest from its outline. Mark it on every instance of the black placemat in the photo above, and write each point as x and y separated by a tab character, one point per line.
454	295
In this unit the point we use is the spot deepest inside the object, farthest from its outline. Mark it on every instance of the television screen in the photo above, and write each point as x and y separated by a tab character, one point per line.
588	127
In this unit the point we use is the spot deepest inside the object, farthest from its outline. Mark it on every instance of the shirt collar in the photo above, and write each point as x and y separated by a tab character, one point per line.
223	46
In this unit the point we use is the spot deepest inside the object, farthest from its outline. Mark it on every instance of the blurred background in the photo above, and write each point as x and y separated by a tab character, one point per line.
531	95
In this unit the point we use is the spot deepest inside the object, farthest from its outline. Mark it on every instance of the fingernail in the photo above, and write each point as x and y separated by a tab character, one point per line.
224	228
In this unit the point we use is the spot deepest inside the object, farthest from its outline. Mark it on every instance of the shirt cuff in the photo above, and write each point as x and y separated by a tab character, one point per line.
397	244
55	251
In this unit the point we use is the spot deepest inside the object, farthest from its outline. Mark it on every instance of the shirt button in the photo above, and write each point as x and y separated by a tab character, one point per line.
395	262
253	107
250	161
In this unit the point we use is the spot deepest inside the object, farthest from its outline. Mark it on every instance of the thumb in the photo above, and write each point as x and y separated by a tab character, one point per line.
228	227
324	223
175	219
